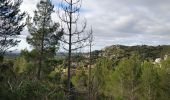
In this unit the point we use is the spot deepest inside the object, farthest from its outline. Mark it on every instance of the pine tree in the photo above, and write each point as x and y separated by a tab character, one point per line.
44	35
126	79
164	80
10	24
101	83
74	36
149	80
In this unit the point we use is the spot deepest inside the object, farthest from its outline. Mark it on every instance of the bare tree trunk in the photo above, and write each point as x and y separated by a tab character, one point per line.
90	63
69	53
90	73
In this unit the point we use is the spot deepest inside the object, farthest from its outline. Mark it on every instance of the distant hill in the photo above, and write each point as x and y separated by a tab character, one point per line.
12	54
144	51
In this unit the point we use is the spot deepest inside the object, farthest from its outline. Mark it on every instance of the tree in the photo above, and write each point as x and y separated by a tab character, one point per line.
25	64
101	82
149	81
44	35
126	79
164	80
73	37
10	24
90	63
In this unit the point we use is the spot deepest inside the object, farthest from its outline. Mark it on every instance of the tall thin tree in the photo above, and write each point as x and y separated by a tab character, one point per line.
90	62
44	35
10	24
68	12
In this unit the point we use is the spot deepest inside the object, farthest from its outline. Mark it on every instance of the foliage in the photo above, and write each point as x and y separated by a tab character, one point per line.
164	74
149	81
79	80
10	24
145	52
117	72
102	81
44	33
43	30
126	78
131	79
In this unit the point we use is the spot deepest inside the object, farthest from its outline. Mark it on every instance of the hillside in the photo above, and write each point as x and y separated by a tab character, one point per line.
145	52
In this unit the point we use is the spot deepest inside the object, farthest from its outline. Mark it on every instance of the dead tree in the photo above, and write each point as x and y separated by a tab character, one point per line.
90	62
74	33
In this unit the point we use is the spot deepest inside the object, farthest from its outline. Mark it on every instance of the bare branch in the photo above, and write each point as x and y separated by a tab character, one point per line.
66	2
77	2
82	30
20	84
81	40
64	40
65	49
79	47
91	38
10	85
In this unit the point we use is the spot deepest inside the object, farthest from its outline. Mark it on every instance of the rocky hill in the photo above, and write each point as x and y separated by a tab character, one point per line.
117	52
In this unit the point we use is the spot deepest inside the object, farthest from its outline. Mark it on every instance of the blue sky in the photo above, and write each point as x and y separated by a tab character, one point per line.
126	22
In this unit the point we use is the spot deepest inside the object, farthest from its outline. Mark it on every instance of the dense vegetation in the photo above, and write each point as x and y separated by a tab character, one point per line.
114	73
132	77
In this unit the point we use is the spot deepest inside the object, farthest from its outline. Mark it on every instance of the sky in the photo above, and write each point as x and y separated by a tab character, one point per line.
125	22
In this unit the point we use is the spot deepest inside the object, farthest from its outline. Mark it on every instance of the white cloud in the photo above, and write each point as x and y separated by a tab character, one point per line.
126	22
